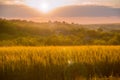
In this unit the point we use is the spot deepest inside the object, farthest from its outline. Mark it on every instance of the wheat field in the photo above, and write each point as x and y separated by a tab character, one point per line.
60	63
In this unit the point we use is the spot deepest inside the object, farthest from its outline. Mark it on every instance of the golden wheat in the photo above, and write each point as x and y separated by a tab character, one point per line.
59	63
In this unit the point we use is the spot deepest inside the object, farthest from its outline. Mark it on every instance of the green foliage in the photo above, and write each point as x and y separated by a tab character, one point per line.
115	40
100	42
24	33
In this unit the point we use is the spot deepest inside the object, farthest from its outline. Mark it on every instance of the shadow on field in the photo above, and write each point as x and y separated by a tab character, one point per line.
75	71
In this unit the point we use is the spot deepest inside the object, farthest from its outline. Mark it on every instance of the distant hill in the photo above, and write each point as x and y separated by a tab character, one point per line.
86	11
22	11
24	33
17	11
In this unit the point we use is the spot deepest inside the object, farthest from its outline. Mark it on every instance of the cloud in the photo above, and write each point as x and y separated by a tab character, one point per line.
11	1
115	3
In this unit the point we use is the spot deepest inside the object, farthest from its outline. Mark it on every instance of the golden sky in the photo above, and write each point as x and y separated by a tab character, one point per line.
47	5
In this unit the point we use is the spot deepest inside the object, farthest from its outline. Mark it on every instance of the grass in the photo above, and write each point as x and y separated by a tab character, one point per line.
60	63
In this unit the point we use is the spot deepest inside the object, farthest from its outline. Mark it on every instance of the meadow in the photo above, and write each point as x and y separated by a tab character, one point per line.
60	63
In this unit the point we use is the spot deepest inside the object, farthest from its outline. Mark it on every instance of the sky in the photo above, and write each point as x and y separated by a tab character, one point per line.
47	5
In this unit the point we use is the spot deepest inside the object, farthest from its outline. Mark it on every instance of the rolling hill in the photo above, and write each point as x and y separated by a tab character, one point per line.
24	33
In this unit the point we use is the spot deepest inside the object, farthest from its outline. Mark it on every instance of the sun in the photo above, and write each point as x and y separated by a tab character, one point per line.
44	7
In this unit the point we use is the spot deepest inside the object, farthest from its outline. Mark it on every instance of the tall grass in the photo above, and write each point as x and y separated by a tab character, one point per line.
59	63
